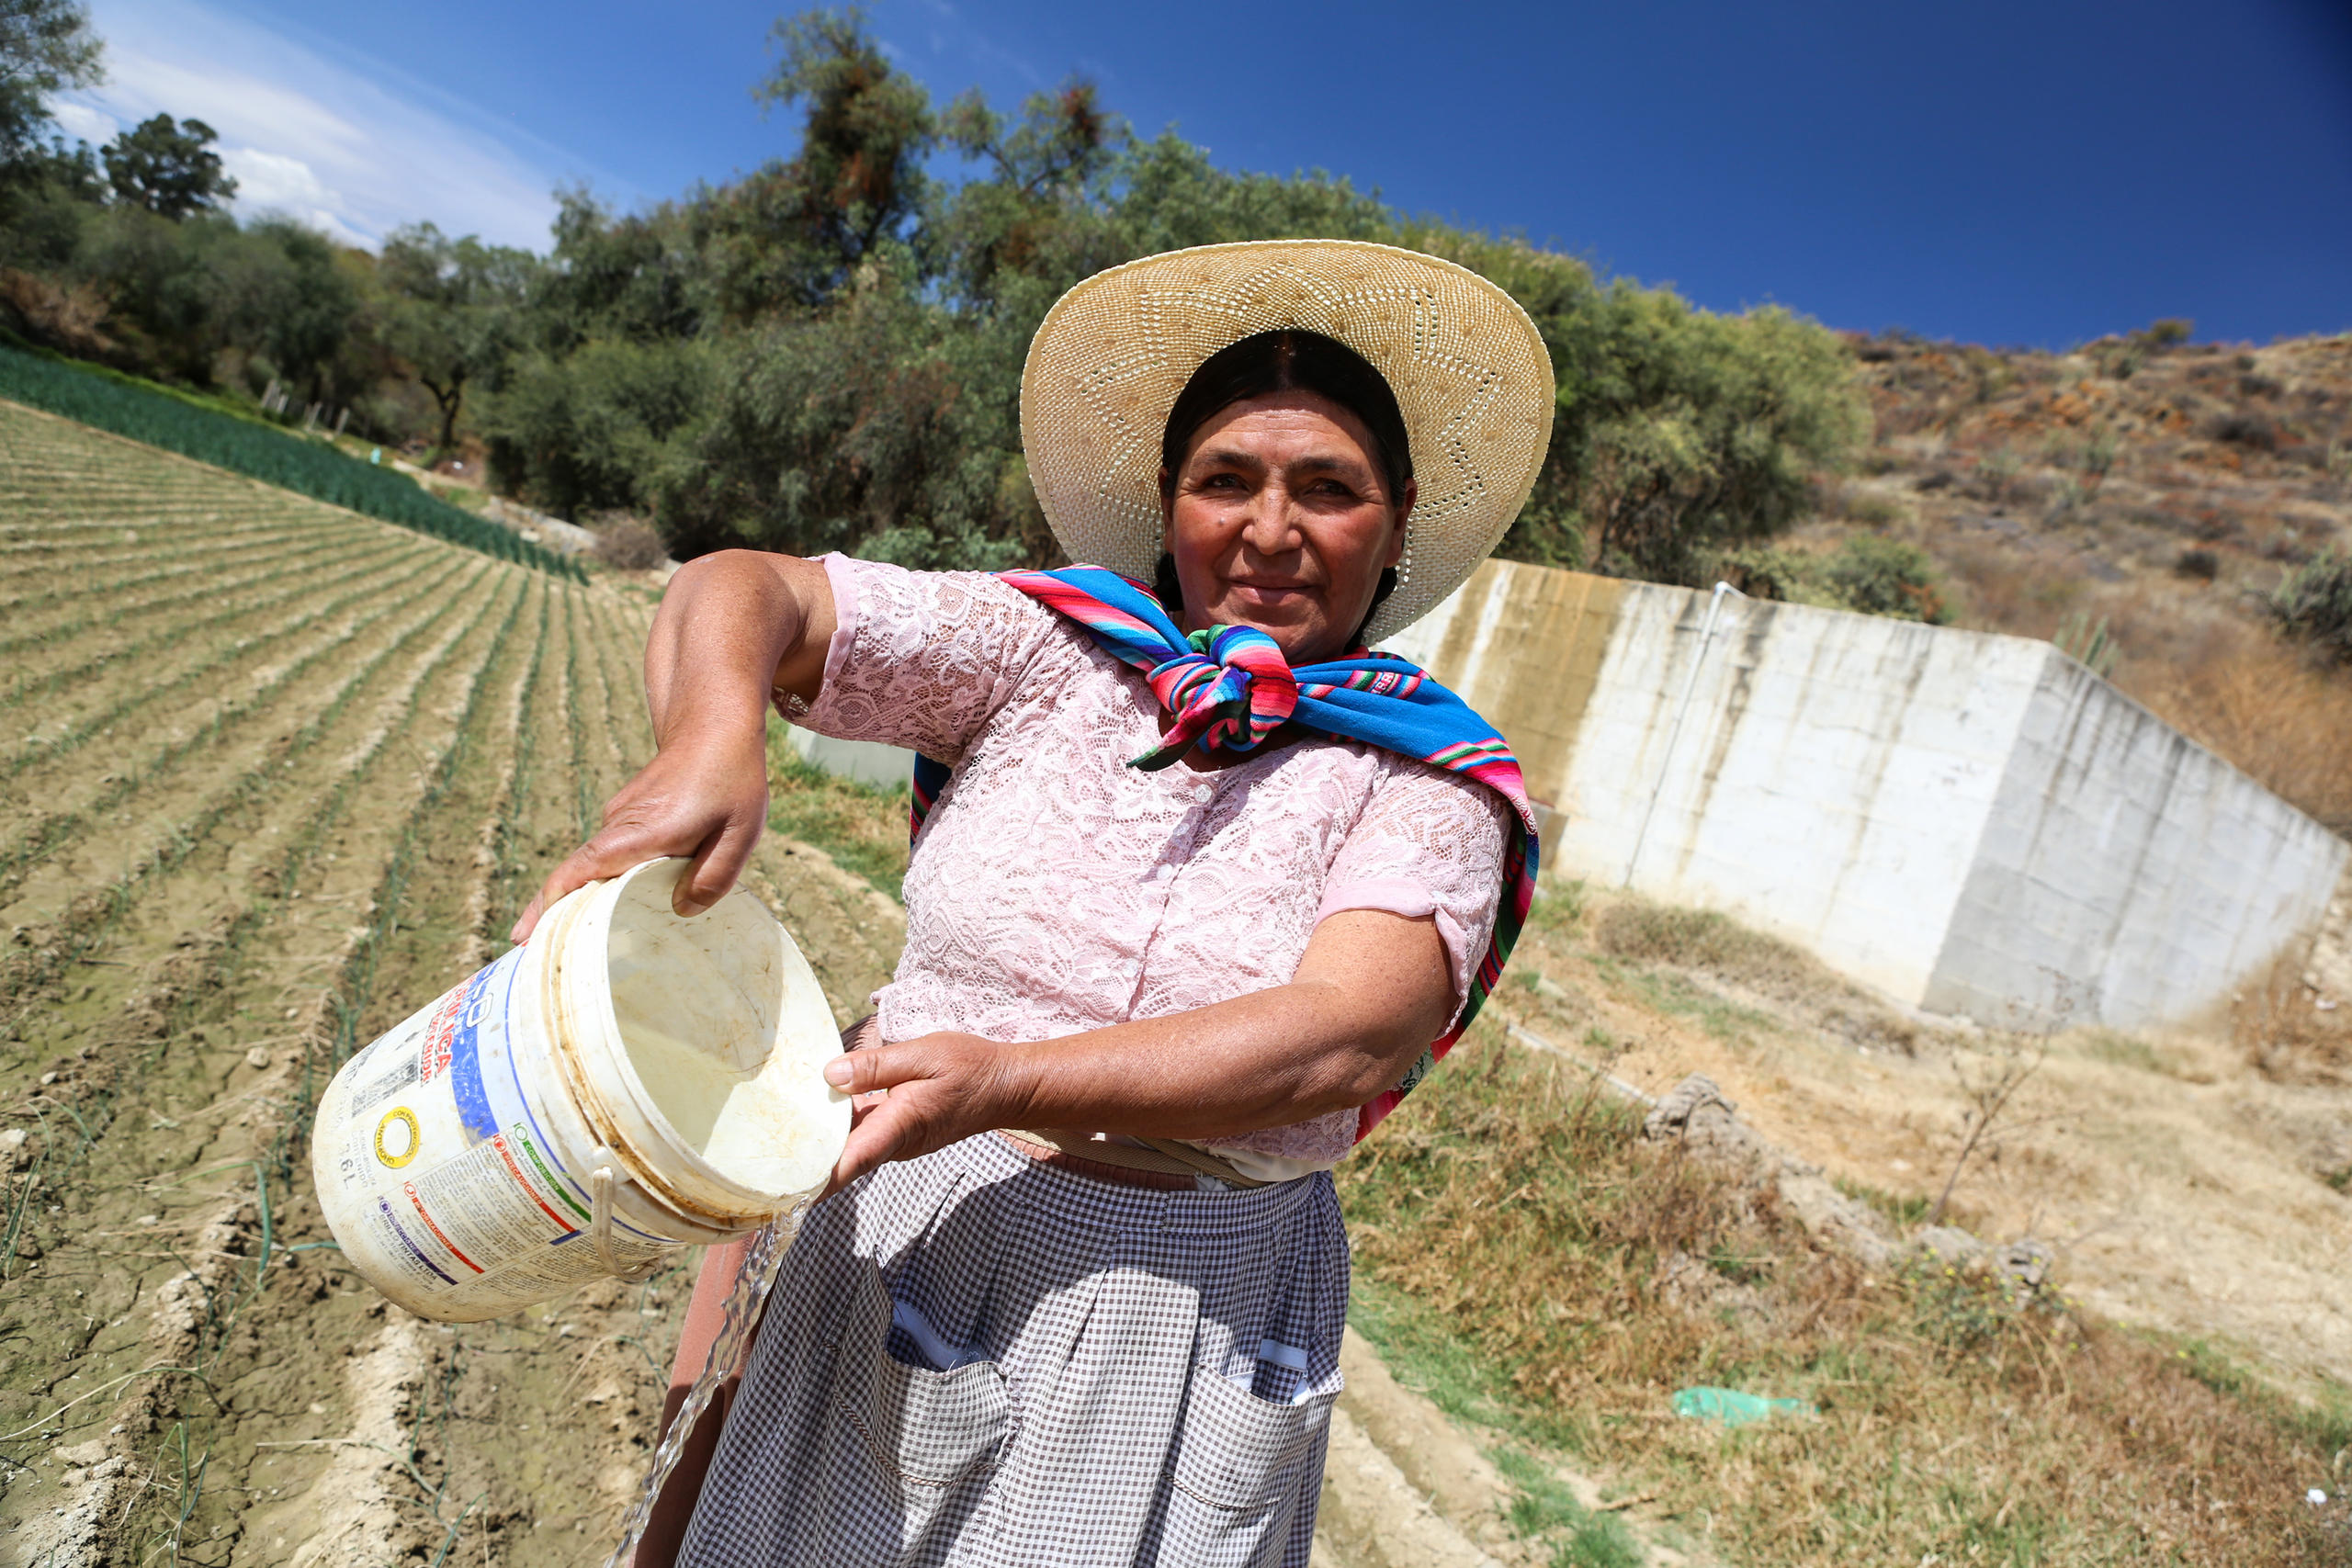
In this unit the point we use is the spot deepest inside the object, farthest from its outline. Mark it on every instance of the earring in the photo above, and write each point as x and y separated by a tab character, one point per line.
1405	560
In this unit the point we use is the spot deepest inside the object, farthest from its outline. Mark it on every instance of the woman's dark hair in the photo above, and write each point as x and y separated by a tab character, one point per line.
1287	360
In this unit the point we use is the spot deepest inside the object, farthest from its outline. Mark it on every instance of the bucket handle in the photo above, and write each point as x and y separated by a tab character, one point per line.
600	1228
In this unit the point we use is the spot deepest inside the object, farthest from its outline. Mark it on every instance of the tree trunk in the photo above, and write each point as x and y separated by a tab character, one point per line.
449	399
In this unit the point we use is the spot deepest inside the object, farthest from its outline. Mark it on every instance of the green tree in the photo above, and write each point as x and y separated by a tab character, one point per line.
592	430
285	300
857	180
1680	433
168	167
456	314
45	46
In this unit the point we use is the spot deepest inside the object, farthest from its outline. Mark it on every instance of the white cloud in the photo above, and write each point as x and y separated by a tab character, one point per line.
349	149
82	123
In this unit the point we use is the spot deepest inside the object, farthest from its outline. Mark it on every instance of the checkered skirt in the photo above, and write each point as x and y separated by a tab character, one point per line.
1133	1376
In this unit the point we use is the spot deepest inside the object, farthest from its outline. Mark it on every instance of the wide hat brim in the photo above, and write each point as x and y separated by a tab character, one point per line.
1469	370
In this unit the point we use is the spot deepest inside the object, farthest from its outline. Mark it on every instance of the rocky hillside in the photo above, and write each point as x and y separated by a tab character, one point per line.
2155	488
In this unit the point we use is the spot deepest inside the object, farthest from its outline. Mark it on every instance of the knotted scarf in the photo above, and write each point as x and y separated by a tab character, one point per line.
1229	687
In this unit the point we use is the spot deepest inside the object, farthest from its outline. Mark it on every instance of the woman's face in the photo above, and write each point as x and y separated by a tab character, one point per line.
1280	519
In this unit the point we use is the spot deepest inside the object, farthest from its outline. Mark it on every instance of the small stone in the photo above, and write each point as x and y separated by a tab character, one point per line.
2027	1263
258	1057
150	1219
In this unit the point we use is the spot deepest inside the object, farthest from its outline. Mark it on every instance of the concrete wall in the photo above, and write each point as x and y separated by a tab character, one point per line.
868	761
2126	875
1972	823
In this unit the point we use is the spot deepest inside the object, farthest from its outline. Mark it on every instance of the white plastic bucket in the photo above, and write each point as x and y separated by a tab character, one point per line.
626	1083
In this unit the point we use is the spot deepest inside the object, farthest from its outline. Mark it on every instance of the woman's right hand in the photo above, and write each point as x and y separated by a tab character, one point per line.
705	795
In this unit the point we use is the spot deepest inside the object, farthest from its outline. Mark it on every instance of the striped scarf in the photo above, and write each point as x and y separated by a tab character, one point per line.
1229	687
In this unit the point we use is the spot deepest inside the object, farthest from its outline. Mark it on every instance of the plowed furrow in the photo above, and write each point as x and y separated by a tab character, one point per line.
49	593
236	741
246	1108
621	644
112	604
174	667
156	633
28	560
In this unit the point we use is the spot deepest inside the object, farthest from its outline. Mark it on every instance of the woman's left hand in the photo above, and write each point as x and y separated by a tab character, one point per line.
918	1095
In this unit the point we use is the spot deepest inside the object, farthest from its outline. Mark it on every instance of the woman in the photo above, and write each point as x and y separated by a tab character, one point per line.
1204	889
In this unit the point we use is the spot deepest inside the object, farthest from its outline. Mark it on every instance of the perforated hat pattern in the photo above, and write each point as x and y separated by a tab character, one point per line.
1469	371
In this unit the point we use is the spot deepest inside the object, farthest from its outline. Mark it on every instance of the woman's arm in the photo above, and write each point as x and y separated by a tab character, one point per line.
734	629
1372	991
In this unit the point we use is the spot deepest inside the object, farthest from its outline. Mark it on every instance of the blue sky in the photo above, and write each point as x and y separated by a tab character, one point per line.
2002	171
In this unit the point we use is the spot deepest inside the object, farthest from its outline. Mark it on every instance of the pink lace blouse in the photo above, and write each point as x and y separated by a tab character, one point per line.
1054	889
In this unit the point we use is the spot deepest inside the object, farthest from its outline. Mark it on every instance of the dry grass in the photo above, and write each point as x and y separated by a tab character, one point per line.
1514	1213
2267	710
1629	928
2279	1025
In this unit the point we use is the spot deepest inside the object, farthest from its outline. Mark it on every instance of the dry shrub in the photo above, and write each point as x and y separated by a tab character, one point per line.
72	319
2287	724
2279	1025
1518	1214
630	545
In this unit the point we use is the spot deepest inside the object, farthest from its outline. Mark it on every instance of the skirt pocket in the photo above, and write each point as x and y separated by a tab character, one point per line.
1244	1468
926	1441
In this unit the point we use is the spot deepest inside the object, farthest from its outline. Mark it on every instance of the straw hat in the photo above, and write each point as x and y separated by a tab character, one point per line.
1469	371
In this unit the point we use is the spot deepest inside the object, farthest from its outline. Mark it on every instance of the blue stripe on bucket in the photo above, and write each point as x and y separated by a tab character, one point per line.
465	1064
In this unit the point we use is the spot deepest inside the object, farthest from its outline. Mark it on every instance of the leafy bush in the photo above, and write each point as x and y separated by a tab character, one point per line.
1868	573
1879	576
259	451
591	432
2313	605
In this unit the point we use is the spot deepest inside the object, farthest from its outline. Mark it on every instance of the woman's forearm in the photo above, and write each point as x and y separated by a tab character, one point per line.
1267	1059
1372	991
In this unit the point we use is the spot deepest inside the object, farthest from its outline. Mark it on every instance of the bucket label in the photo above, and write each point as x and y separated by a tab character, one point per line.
458	1187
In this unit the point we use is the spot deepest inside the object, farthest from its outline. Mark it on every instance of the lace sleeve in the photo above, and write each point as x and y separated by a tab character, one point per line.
1428	844
922	659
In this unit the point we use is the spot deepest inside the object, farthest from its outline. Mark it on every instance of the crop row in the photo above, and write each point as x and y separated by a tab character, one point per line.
291	573
208	667
262	452
94	913
46	837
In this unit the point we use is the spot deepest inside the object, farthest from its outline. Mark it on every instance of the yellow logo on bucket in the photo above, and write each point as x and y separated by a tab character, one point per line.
403	1144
